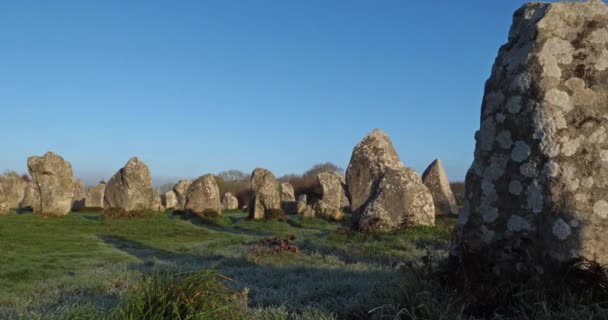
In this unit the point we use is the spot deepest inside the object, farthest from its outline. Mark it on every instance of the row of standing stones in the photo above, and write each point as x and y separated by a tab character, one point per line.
378	189
534	195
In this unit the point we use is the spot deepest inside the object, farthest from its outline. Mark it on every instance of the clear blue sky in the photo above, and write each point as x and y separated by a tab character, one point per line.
193	87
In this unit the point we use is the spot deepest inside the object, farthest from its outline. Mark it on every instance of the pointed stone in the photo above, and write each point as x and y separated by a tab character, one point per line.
130	189
436	180
203	197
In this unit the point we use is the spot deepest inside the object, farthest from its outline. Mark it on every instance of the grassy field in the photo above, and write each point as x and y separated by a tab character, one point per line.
85	266
50	267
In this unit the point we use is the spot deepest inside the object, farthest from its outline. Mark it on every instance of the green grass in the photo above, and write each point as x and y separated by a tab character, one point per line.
86	267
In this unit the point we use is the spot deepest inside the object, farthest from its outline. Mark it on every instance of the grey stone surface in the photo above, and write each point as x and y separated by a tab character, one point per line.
171	200
79	195
181	190
14	189
384	194
436	180
265	193
538	187
95	196
400	200
130	189
287	192
333	188
53	182
203	196
230	202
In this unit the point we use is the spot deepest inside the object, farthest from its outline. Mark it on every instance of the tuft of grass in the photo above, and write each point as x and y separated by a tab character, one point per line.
197	295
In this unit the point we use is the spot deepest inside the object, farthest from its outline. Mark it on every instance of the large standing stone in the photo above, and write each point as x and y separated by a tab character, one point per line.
537	191
4	207
54	183
435	178
130	189
14	189
79	195
203	196
399	200
264	194
333	189
171	200
370	159
385	195
230	202
95	196
181	192
287	192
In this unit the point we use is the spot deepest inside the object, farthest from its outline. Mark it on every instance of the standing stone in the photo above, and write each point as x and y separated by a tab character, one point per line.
230	202
370	159
14	189
130	189
171	200
30	197
537	191
95	196
399	200
435	178
264	194
79	195
4	207
287	192
384	194
181	191
333	188
203	197
54	183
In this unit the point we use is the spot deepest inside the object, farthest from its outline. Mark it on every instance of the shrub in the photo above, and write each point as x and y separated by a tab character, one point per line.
198	295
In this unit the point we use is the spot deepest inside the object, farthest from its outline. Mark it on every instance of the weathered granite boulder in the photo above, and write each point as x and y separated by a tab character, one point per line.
94	198
333	188
325	210
436	180
79	195
14	189
370	159
536	193
54	183
130	189
181	192
230	202
265	194
4	207
170	200
203	197
399	200
302	204
287	192
30	197
384	194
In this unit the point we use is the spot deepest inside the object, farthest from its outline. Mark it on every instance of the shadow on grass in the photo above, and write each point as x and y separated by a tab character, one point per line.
297	286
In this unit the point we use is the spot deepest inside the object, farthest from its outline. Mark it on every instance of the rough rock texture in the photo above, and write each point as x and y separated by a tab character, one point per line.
384	194
79	194
370	159
264	193
170	200
435	178
4	207
536	192
130	189
14	189
324	210
95	195
400	200
203	196
181	190
333	188
30	197
54	183
230	202
287	192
